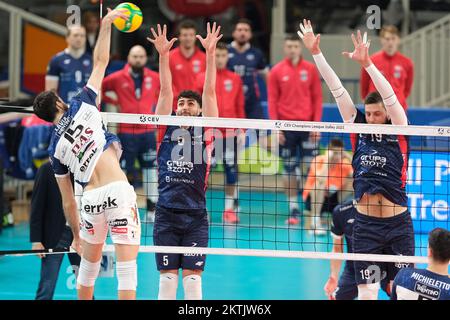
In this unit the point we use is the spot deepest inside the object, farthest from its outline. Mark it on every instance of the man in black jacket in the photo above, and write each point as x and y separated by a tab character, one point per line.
48	229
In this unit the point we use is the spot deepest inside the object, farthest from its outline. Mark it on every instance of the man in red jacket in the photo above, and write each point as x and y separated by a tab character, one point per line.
396	68
294	93
186	61
137	88
228	142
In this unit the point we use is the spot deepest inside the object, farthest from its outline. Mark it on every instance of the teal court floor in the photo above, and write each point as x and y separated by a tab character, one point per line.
262	226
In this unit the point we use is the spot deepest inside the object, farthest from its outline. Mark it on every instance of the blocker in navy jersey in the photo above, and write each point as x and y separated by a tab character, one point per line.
343	219
380	164
246	65
184	160
72	74
420	284
80	138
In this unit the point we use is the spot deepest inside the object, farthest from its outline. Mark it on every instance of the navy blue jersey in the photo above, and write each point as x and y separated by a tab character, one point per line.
343	219
420	284
184	160
246	65
80	138
380	164
72	74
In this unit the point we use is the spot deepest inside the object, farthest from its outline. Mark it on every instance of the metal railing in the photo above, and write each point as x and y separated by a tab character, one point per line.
17	17
429	48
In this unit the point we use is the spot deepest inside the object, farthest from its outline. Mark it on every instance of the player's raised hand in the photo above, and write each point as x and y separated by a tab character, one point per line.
361	52
114	14
212	37
160	41
310	40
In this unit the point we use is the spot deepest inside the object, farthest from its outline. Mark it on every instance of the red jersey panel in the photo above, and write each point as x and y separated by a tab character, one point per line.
294	92
397	69
185	70
123	85
230	94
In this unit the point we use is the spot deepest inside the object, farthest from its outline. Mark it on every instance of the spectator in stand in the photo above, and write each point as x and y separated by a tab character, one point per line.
396	68
91	22
186	61
294	93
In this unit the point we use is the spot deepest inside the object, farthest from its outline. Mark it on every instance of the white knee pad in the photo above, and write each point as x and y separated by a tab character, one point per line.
127	275
192	287
168	284
88	272
368	291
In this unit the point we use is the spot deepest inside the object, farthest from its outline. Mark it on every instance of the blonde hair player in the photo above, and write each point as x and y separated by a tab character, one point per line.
383	223
80	144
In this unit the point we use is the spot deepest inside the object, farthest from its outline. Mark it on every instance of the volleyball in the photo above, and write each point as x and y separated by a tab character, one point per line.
135	20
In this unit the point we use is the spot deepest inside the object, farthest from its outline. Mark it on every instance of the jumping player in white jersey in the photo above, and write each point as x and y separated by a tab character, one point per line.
383	223
80	144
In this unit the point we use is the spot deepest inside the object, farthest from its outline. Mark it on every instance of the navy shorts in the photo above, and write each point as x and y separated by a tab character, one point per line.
225	151
180	228
141	147
292	150
392	236
347	288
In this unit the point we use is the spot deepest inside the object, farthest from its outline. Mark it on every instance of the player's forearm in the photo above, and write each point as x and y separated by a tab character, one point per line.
72	217
209	88
335	265
103	46
165	99
393	107
165	76
340	94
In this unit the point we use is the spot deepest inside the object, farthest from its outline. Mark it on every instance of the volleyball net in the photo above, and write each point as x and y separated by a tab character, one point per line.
289	177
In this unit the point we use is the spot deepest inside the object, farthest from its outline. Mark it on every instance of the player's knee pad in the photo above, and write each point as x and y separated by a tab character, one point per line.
368	291
88	272
127	275
192	287
168	284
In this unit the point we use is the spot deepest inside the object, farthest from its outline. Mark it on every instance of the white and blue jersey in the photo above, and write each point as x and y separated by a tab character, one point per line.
246	65
72	74
420	284
380	165
80	138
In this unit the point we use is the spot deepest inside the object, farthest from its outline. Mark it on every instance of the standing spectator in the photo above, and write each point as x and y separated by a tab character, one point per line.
186	61
396	68
230	101
295	93
137	90
48	230
69	70
91	22
247	62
